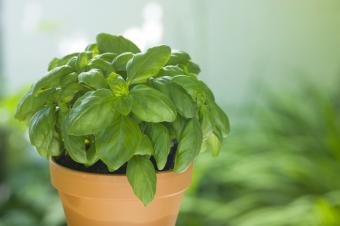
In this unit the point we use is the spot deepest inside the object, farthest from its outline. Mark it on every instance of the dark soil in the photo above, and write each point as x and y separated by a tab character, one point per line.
100	168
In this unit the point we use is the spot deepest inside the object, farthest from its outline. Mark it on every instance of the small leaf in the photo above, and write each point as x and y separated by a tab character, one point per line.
145	65
160	138
178	57
93	78
82	61
220	119
120	62
145	146
142	178
42	132
117	143
213	144
115	44
52	79
105	56
30	104
171	70
150	105
100	64
189	145
200	93
117	84
185	105
91	113
123	104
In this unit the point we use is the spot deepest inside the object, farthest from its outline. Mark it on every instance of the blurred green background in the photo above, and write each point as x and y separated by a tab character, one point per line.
273	65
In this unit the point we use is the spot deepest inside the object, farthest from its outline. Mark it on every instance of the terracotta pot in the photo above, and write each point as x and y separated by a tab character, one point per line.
108	200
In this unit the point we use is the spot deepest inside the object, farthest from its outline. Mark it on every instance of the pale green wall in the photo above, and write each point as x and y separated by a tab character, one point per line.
236	42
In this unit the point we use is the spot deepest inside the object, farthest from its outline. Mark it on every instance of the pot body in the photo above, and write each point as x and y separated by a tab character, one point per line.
108	200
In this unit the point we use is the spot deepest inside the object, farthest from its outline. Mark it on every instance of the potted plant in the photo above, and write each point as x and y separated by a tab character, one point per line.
122	128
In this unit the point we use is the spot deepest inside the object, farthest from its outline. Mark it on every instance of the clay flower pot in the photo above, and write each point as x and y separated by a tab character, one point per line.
108	200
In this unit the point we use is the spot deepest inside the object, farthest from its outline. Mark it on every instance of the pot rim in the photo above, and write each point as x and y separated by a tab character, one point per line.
65	168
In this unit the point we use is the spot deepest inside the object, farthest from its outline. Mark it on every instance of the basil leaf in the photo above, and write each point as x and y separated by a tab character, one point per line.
93	78
145	65
142	178
120	62
92	48
178	57
82	61
115	44
53	63
104	66
105	56
195	88
30	104
74	145
117	143
171	70
123	104
91	113
52	79
185	106
160	138
212	143
150	105
42	132
145	146
177	126
192	67
206	121
118	85
189	145
220	119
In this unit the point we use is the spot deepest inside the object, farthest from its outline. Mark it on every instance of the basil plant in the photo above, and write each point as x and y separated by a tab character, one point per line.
115	104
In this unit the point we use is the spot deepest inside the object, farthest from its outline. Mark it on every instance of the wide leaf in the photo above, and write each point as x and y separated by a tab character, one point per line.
91	113
93	78
150	105
189	145
42	132
115	44
117	143
161	141
145	65
142	178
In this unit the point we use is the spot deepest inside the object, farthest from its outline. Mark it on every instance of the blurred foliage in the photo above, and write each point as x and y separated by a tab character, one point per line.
279	167
26	196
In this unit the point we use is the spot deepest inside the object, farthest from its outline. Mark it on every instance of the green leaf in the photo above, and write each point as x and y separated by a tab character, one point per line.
145	146
220	119
120	62
178	57
189	145
74	145
118	85
171	70
92	48
145	65
178	126
42	132
115	44
150	105
160	138
192	67
185	105
93	78
53	63
30	104
91	113
195	88
117	143
212	143
105	56
52	79
82	61
142	178
123	104
103	65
